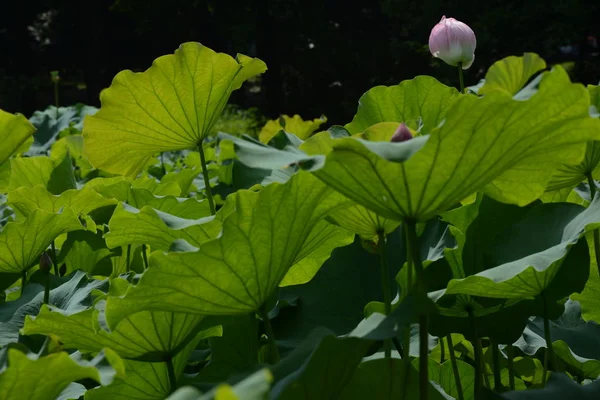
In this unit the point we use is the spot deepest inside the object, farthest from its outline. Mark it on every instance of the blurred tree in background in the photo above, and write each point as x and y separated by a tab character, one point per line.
322	55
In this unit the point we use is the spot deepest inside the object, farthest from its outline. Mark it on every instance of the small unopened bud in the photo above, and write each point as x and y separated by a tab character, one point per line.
54	76
454	42
402	134
45	262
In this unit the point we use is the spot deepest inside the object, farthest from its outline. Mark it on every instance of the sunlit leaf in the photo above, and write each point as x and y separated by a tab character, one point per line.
421	102
295	125
268	231
14	130
42	378
22	243
510	74
171	106
511	157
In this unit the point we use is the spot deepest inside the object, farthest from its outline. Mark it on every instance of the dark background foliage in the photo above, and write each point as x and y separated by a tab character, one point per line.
322	54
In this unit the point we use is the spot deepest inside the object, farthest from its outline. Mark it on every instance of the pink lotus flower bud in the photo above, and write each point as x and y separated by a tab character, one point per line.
453	42
402	134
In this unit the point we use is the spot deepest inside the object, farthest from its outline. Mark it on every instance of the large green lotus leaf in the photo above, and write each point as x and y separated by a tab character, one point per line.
144	380
83	201
15	130
510	74
492	241
41	378
22	243
72	296
171	106
237	272
511	157
144	336
157	229
323	239
536	254
422	101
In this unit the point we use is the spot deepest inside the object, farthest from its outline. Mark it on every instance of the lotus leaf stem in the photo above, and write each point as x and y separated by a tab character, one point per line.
413	248
457	381
145	256
549	360
510	354
385	286
207	190
496	366
442	350
273	351
128	260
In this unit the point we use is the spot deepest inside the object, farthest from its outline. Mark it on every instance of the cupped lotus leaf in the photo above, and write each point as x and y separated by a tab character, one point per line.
510	74
157	229
143	380
569	176
144	336
171	106
15	130
237	272
22	243
83	201
295	125
511	156
30	377
422	102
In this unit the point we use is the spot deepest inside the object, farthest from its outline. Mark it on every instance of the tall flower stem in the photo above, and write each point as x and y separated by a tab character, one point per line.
442	350
413	249
457	381
596	233
209	196
385	286
461	79
54	258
